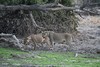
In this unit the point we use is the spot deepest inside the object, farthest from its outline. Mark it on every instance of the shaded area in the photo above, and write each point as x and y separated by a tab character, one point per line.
20	23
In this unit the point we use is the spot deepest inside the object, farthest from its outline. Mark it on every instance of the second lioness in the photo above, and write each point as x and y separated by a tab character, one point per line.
36	39
58	37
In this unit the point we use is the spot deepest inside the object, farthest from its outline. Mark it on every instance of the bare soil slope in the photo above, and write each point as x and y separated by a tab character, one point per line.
88	40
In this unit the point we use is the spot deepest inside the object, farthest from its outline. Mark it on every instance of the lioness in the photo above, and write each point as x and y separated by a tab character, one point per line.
36	39
58	37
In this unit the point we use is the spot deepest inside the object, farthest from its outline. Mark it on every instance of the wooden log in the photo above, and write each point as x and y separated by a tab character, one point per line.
10	35
50	6
6	35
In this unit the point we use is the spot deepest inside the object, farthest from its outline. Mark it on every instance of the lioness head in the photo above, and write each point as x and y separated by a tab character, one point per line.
46	33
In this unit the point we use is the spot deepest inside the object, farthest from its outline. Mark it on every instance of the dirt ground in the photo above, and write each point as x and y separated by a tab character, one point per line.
88	40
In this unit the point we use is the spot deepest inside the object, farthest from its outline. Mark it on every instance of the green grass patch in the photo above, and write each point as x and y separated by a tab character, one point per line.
6	52
45	58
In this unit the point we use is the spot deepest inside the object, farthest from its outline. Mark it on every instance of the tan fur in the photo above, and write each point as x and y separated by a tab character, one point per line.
58	37
36	39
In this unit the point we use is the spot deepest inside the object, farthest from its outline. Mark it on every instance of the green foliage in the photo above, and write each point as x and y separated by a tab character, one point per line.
66	2
15	2
96	1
